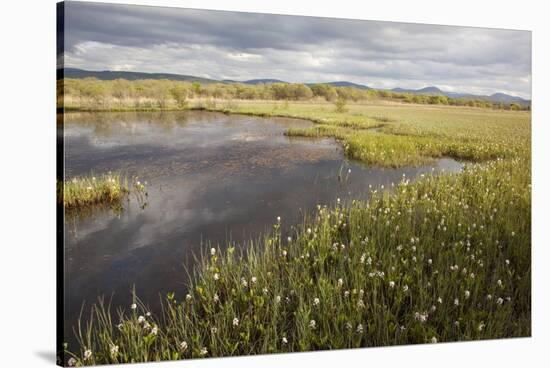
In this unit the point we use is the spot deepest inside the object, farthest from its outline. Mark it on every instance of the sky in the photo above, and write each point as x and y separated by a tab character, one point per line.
242	46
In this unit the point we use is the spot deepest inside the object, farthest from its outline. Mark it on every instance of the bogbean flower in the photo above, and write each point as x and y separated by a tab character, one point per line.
309	230
456	302
284	253
244	283
114	350
265	291
154	330
284	340
133	306
500	301
481	326
188	297
467	294
312	324
71	362
316	302
87	354
216	276
141	319
213	251
254	279
289	239
499	283
235	322
405	288
216	298
359	329
340	282
183	345
204	351
439	300
148	314
214	330
434	340
278	299
392	284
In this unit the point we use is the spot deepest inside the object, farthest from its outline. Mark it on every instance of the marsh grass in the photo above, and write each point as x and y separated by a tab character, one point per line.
107	189
447	258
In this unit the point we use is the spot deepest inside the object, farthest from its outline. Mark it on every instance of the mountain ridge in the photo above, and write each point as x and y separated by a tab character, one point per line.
77	73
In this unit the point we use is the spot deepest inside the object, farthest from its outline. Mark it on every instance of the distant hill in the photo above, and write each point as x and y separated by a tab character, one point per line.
495	97
262	81
347	84
112	75
431	90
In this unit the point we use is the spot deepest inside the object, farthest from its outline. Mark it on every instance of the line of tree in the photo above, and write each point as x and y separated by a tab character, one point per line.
163	92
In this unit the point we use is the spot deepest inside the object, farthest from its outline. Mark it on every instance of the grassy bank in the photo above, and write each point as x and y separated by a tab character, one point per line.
394	135
444	259
107	189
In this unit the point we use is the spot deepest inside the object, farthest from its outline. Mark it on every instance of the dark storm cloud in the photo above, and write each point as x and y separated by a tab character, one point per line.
243	46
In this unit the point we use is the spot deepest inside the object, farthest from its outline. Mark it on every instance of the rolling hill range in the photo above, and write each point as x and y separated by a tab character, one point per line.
431	90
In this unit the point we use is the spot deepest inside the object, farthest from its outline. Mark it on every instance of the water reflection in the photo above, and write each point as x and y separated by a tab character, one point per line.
213	178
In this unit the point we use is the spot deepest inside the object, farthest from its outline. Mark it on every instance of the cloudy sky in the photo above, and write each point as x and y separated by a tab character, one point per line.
241	46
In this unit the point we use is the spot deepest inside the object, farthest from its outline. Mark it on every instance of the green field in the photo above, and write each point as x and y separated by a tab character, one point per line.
446	258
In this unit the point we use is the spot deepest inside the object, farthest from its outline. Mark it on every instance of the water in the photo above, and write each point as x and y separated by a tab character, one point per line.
212	179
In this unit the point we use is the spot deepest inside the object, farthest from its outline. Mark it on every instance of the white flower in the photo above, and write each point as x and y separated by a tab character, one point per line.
213	251
340	282
392	284
284	340
235	322
430	262
309	230
467	294
154	331
405	288
499	283
289	239
481	326
148	314
456	301
439	300
183	345
216	276
316	302
312	324
507	262
114	350
500	301
71	362
244	283
254	280
141	319
204	351
278	218
133	306
265	291
188	297
434	340
278	299
346	293
216	298
87	354
214	330
359	329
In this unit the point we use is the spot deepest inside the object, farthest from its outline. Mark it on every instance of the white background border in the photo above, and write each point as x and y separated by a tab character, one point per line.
27	181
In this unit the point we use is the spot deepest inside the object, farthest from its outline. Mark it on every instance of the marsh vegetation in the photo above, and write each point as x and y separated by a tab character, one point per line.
444	258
